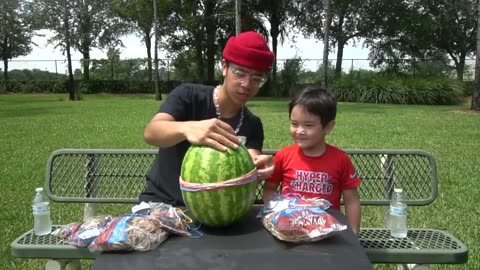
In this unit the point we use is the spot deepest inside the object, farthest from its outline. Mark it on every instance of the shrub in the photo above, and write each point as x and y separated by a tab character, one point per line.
87	87
468	88
27	86
393	90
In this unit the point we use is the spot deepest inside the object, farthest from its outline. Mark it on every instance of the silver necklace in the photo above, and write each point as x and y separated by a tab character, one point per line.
217	109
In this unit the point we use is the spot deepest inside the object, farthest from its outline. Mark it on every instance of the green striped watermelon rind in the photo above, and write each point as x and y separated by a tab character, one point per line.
222	207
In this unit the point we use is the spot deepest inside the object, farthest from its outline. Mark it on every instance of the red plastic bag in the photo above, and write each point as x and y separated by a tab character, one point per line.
292	218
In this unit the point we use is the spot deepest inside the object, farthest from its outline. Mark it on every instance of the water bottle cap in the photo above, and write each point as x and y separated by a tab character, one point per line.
40	189
397	190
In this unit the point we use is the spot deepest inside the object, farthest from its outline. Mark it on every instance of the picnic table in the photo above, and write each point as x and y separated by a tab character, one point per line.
245	245
117	176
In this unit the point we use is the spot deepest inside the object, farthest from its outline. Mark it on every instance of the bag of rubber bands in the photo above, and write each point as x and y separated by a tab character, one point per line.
174	220
296	219
131	232
143	232
82	233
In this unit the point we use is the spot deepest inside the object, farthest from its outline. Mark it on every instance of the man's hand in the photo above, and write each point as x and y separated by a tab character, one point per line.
264	166
212	132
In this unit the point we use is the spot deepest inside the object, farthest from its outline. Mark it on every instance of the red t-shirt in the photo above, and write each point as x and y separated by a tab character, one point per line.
325	176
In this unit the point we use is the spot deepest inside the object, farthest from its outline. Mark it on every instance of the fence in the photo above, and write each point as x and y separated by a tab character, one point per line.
137	69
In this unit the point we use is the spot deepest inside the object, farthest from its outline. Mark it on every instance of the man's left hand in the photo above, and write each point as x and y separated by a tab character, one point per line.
264	164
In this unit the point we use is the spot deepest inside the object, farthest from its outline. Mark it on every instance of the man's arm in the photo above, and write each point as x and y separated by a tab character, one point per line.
164	131
352	208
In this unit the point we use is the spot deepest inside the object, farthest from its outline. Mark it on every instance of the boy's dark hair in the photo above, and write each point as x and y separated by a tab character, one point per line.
318	101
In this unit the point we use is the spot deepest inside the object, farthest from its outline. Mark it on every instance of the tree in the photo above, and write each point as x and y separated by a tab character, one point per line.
195	28
276	13
16	31
139	14
113	57
290	76
350	21
158	95
203	27
422	29
454	29
58	18
476	93
95	26
184	66
113	68
326	29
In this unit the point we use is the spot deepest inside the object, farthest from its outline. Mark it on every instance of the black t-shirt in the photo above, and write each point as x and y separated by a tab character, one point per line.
190	102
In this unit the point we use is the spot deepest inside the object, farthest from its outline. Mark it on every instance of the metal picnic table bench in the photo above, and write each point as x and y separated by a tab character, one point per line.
94	176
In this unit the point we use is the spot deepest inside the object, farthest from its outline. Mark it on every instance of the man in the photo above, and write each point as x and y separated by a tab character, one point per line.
213	116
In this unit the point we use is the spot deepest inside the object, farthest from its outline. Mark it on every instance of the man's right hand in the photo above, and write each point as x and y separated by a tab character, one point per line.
164	131
212	132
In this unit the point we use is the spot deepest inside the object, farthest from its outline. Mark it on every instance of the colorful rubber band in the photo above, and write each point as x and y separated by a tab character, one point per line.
193	187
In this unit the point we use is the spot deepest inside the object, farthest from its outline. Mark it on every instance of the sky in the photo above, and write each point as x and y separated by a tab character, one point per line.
46	57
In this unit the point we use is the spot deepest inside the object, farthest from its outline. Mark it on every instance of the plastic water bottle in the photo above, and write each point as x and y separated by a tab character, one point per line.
42	225
398	215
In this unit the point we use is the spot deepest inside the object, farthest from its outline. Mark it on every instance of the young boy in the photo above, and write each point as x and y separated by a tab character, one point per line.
311	167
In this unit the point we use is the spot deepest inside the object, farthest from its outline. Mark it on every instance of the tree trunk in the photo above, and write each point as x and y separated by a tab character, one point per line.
211	30
148	43
71	83
112	74
460	67
5	59
158	95
476	92
238	18
85	39
274	32
340	45
199	56
5	65
86	65
5	75
73	95
338	65
326	27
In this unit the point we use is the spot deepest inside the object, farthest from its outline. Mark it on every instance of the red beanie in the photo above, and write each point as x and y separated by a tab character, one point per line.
249	49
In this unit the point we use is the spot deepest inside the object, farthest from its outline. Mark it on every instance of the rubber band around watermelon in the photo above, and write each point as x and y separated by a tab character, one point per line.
193	187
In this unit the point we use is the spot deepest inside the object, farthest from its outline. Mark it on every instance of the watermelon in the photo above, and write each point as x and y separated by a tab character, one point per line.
224	206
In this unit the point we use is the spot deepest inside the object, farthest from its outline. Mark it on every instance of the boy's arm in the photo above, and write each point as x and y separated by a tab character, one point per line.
269	189
352	208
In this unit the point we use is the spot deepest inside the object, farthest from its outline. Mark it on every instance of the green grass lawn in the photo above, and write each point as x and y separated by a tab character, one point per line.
33	126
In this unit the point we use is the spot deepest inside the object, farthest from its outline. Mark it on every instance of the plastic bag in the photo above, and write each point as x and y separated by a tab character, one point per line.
131	232
67	230
82	233
302	224
172	219
292	218
280	202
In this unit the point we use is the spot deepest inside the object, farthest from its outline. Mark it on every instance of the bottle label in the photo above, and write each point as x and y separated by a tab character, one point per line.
398	211
40	208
